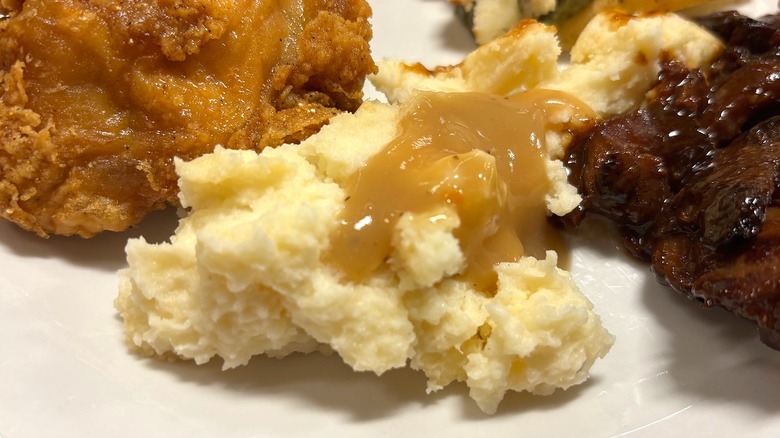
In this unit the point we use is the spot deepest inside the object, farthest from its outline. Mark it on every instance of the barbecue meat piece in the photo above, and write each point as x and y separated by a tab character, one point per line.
97	97
692	178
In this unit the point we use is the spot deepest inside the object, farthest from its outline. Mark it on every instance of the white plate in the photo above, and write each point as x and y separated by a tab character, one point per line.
675	370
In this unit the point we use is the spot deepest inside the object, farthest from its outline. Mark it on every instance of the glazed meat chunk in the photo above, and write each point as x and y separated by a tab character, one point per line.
692	178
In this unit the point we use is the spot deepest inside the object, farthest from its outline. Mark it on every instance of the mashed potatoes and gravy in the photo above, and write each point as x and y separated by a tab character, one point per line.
406	233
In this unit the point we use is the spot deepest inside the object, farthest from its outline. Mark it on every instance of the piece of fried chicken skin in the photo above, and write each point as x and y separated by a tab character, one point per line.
98	96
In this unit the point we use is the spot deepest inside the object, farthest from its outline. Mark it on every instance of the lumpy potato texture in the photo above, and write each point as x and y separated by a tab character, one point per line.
244	275
98	96
603	71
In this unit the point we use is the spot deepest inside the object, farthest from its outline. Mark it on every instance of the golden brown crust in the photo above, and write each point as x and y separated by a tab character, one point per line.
98	96
179	27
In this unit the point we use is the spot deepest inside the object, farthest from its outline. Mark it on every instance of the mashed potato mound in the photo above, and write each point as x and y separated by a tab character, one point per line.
605	71
243	276
612	76
244	273
517	61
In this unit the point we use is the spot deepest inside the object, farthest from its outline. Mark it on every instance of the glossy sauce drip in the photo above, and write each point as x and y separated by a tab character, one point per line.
482	155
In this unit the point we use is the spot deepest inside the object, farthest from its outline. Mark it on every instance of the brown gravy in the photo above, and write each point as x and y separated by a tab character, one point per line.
482	155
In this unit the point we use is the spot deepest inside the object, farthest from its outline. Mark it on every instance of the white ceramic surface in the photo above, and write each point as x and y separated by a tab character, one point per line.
675	370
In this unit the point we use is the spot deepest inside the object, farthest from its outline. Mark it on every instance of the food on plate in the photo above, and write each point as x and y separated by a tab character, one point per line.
413	232
489	19
375	238
604	71
391	238
692	177
273	257
571	22
517	61
98	97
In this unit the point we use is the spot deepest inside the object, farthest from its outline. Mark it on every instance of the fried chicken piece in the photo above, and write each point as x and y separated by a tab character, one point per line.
98	96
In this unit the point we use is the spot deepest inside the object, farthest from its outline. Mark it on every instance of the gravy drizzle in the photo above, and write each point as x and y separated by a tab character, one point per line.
483	156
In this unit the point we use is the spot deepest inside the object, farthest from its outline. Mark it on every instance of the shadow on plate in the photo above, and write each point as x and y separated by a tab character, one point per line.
328	384
598	236
454	35
713	354
106	251
709	353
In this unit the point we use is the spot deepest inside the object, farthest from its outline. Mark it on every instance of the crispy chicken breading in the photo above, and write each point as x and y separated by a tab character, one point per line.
98	96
